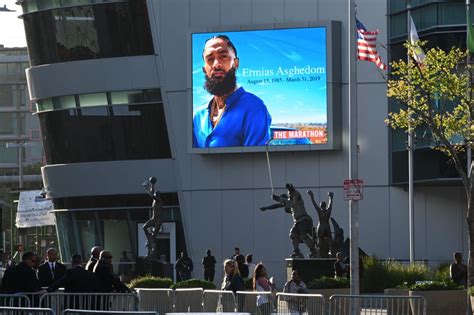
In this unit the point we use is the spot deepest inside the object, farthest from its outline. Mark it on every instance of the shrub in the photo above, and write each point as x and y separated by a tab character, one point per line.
442	272
150	282
435	286
471	291
194	283
380	275
329	283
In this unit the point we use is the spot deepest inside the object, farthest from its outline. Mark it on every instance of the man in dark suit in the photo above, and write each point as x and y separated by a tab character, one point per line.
106	280
95	252
76	279
51	270
21	277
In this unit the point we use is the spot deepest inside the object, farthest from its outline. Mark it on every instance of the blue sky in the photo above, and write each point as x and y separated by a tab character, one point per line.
12	32
287	102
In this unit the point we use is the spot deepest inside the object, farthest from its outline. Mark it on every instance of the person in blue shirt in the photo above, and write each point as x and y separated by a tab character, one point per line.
233	117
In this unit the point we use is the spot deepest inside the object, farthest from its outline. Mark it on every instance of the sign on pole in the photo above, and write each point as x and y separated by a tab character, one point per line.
353	189
34	210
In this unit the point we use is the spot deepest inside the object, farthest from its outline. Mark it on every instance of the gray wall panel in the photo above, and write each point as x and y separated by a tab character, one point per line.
205	216
78	77
419	222
443	221
261	178
300	10
399	229
234	174
267	11
173	30
236	12
107	178
204	12
374	221
206	172
373	134
303	168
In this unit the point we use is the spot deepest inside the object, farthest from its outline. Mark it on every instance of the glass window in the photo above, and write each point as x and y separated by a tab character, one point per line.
6	95
8	123
88	32
127	97
141	135
94	99
45	104
63	102
8	155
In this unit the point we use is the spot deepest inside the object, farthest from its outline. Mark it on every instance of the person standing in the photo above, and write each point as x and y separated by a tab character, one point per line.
341	269
95	252
18	255
261	283
209	263
184	267
76	279
232	280
51	270
106	280
458	270
250	264
296	305
21	277
237	255
125	267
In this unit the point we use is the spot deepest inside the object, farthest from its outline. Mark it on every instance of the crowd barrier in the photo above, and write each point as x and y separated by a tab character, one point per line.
157	300
247	302
219	301
80	312
188	300
89	301
376	304
26	311
292	304
14	300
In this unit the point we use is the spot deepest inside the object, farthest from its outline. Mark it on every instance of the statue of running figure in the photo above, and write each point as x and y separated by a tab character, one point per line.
154	223
323	230
302	223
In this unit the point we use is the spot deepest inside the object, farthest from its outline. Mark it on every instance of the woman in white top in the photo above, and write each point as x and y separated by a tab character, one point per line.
262	284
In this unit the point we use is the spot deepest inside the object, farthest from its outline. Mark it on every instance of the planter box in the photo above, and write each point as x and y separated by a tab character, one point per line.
396	306
452	302
327	293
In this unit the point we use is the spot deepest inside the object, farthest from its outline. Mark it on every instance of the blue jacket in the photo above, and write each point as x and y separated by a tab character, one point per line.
245	122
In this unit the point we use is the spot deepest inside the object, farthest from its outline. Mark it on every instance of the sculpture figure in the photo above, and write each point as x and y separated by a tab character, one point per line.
153	225
302	222
323	230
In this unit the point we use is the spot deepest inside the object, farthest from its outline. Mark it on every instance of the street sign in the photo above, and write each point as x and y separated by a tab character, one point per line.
353	189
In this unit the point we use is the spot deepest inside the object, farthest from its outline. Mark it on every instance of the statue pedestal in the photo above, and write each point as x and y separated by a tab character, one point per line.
155	268
310	268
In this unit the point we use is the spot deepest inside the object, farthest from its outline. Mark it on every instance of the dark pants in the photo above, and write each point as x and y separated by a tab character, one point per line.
209	275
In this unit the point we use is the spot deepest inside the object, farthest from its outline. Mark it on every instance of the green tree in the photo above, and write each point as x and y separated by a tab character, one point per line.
436	96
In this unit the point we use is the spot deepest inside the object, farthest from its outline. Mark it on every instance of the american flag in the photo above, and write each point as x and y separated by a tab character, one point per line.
366	46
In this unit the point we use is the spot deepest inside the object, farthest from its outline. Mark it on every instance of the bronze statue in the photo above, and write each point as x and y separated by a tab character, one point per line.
153	225
302	222
323	230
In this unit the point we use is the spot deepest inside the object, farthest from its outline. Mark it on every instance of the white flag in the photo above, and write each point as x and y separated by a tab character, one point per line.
418	53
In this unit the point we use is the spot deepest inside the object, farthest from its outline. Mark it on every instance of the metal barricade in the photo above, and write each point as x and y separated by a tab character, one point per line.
261	303
377	304
90	301
157	300
26	311
216	301
299	304
14	300
79	312
188	300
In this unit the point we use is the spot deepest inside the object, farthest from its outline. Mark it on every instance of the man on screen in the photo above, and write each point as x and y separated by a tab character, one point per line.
233	117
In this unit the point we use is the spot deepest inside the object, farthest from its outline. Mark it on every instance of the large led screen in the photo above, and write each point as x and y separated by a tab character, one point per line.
252	88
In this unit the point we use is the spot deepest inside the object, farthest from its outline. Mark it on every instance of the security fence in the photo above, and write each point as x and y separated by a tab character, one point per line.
14	300
295	304
255	302
26	311
82	312
157	300
376	304
219	301
188	300
59	301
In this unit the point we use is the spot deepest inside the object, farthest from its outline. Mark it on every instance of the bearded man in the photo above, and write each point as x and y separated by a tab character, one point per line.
233	117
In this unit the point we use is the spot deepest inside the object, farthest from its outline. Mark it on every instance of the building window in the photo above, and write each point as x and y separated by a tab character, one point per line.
6	95
88	32
105	133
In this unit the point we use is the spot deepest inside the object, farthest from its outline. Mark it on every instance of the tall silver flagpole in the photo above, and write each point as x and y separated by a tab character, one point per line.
353	171
411	202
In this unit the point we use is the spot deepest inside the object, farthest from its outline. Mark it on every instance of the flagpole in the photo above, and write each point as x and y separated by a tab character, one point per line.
353	159
468	59
411	201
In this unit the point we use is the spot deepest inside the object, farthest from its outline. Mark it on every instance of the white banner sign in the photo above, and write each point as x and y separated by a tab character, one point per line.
34	210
